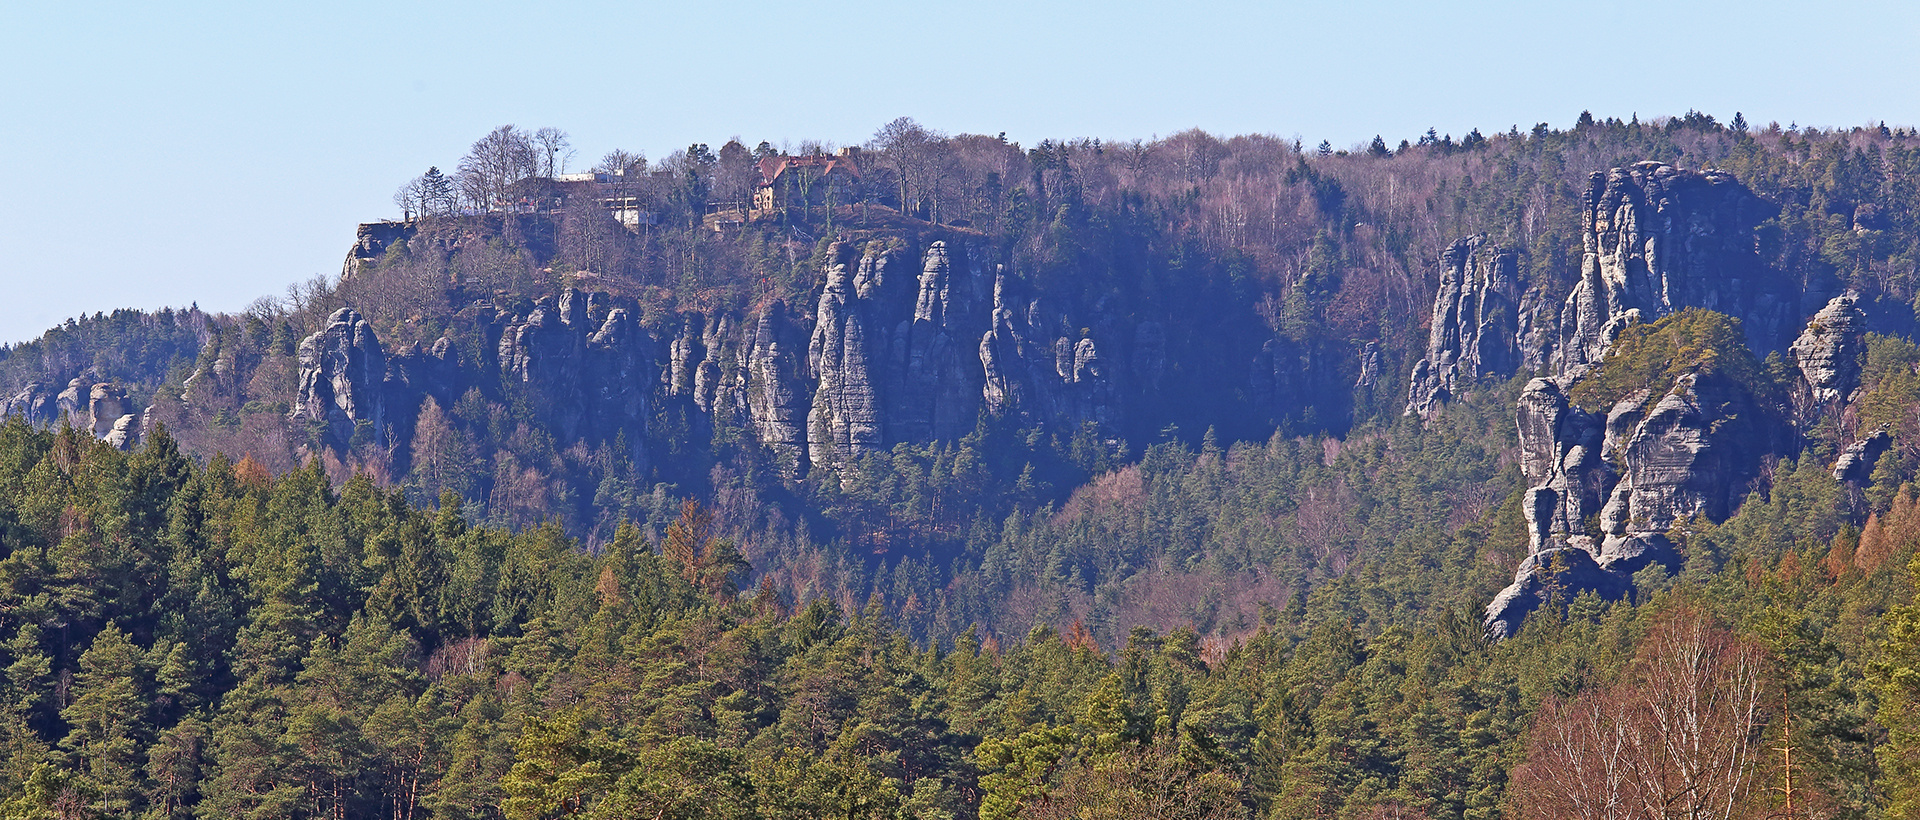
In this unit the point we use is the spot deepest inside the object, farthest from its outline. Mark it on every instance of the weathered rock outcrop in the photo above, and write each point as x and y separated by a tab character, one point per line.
1658	239
1856	462
371	240
342	372
1550	576
1063	379
37	403
1828	353
844	421
586	366
73	402
1689	456
1612	487
777	400
102	409
1368	382
935	391
1476	324
125	433
1561	459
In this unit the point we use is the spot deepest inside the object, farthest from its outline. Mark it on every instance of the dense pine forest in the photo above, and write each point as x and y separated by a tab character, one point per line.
954	478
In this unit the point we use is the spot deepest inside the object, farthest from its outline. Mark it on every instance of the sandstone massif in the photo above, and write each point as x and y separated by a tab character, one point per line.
1605	486
913	339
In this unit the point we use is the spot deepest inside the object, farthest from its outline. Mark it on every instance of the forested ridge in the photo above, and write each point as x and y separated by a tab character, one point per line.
1167	588
216	641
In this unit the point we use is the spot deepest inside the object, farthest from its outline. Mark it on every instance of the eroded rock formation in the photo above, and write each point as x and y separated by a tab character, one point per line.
1828	352
102	409
342	370
777	401
844	421
1602	490
1657	239
1856	462
1561	460
1476	324
37	403
1612	487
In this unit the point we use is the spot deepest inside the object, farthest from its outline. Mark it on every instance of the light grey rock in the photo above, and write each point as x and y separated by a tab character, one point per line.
1549	576
844	421
1475	332
1828	351
1656	240
106	405
342	371
1065	381
1855	464
1561	461
588	380
777	391
684	354
125	433
933	391
37	403
1004	351
1368	380
1679	461
72	403
1656	467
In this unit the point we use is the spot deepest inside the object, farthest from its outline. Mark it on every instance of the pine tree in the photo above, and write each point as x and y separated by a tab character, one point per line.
108	730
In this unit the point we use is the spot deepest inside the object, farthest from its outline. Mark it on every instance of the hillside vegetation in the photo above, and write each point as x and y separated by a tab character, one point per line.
1208	568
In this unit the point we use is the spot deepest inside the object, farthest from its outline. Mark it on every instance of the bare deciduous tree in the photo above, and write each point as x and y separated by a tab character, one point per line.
913	153
410	198
622	163
505	156
554	150
1678	738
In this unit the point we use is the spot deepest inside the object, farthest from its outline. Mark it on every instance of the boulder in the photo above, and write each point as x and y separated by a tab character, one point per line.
1855	464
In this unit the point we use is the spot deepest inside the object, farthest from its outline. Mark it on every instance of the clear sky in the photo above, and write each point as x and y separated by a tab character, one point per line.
160	154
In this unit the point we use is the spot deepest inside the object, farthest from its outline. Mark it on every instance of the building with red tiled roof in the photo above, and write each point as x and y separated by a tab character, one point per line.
820	179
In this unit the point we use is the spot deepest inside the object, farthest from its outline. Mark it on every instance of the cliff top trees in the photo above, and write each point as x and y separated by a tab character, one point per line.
503	157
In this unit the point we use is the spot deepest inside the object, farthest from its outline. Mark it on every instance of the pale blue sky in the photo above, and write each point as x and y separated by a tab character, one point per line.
216	152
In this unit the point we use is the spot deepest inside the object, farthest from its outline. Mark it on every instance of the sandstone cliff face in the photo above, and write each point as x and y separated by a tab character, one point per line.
777	401
1611	487
1856	462
1561	460
935	390
1690	455
1038	370
892	356
1658	239
37	403
102	409
1828	353
1476	324
904	341
342	370
371	240
586	366
844	422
